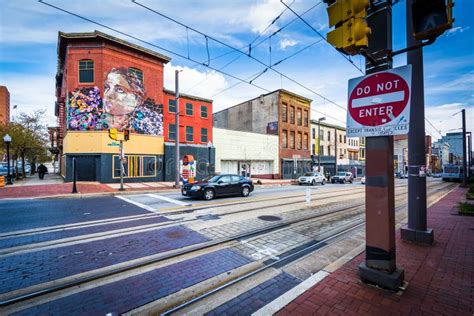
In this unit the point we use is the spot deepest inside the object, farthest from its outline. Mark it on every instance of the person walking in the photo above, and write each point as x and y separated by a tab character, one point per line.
41	171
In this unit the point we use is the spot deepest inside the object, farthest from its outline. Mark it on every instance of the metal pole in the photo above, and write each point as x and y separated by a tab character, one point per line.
209	163
74	176
464	151
122	171
335	149
9	177
469	153
319	145
379	266
416	230
176	146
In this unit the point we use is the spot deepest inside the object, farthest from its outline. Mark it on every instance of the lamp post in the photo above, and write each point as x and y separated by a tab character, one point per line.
8	139
209	146
319	142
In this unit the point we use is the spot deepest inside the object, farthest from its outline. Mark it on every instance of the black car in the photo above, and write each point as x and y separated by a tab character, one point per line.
221	185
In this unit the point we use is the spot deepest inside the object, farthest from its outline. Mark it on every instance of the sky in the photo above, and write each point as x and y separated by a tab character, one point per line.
310	66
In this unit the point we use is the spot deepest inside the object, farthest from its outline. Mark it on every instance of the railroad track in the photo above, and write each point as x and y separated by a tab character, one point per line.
27	295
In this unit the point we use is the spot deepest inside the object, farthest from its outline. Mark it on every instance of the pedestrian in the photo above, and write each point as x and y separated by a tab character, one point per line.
41	171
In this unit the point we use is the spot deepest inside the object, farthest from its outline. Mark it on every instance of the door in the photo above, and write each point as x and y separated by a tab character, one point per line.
235	185
86	168
223	185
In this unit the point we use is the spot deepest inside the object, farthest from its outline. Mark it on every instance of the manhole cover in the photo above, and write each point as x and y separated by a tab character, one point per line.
207	217
269	218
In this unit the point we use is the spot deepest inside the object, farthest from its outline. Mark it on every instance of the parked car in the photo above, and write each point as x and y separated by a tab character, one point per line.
221	185
362	180
342	177
312	178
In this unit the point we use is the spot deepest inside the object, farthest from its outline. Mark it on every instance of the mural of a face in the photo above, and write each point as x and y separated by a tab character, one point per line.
119	97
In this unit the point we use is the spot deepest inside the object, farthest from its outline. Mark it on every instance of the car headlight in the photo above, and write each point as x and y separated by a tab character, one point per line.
196	187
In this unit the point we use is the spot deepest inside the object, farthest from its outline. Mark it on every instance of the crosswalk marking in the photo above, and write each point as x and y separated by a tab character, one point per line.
143	206
167	199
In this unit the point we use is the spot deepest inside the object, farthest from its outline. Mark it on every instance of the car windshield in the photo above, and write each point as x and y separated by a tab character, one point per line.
341	174
214	179
308	174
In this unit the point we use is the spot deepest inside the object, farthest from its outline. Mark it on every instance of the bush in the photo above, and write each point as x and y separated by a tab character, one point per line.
466	209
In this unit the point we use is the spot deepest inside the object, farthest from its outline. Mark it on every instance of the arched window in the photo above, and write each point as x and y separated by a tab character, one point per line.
137	72
86	71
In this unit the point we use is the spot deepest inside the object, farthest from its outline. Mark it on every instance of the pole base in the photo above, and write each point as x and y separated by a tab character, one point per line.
422	237
392	281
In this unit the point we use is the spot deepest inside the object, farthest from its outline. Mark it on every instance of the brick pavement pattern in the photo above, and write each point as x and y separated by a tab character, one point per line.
440	278
52	190
133	292
49	236
257	297
50	212
22	270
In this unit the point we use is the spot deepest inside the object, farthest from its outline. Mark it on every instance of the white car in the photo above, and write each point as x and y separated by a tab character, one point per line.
312	178
362	180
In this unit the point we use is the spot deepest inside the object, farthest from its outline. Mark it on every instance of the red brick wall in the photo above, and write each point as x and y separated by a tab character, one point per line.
4	105
184	120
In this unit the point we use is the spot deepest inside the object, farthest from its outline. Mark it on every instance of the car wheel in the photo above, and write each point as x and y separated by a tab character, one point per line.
313	183
344	181
208	194
350	181
300	183
245	191
323	182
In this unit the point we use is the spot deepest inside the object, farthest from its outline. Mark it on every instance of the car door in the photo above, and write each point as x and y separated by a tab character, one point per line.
223	186
236	185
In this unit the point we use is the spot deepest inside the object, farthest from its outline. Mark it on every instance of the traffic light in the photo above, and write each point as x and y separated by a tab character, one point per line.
431	18
351	30
113	133
126	134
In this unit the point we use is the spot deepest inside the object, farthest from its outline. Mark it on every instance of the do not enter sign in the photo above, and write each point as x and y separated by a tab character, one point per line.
379	104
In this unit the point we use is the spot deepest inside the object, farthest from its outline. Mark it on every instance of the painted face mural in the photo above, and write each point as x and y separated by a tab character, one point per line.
123	106
188	169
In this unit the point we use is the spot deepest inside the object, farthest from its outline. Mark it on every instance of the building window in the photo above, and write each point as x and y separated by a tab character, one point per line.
329	135
284	141
172	106
298	140
86	71
189	109
292	114
172	131
203	135
137	72
299	117
305	141
313	130
329	150
321	134
189	133
284	112
345	139
362	153
305	118
321	150
313	148
340	138
292	139
203	111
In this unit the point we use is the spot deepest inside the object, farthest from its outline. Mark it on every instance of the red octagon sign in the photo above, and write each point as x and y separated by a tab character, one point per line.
379	99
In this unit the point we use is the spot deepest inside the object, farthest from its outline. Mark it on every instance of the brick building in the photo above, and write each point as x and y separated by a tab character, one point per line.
4	105
281	113
104	82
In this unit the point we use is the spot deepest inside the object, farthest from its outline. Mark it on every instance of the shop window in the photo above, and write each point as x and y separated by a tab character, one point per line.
189	133
172	106
203	111
189	109
86	71
172	131
137	72
135	166
203	135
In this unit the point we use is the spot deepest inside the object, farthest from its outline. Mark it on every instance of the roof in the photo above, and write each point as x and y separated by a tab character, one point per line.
188	96
328	125
64	37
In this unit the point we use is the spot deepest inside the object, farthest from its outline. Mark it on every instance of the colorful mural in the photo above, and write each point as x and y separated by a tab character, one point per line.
188	169
123	105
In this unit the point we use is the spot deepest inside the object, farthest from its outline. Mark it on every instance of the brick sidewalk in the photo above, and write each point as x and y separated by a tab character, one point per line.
440	278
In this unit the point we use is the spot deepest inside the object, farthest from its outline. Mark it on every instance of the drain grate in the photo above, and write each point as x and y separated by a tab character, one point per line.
269	218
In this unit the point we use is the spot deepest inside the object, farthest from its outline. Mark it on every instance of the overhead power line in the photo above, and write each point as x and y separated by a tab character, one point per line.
148	43
240	51
319	33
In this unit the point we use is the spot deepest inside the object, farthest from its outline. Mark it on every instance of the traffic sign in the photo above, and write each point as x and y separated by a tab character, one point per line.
379	104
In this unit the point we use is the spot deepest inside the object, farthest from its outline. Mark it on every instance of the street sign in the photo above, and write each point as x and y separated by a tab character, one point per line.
379	104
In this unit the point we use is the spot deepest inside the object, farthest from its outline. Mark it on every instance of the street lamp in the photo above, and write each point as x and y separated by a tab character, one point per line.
8	139
319	142
209	146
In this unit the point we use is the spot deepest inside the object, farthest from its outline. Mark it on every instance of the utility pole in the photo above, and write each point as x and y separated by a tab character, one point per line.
335	149
122	171
379	266
176	146
464	152
319	142
416	230
469	153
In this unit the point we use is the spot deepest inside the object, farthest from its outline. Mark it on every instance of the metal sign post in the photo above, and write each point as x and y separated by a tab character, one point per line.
122	171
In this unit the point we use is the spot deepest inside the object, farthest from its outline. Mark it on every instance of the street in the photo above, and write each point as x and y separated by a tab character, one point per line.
80	256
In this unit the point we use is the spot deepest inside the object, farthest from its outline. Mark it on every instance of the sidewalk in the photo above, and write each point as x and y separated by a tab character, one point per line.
440	278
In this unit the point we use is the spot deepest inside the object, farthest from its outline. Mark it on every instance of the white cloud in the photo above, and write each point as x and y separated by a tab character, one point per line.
286	42
446	118
456	30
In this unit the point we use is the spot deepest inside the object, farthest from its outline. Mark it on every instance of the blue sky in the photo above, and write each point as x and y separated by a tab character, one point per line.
28	36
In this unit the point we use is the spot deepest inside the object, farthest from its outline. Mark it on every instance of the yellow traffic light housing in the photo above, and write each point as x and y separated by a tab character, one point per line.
113	133
351	32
